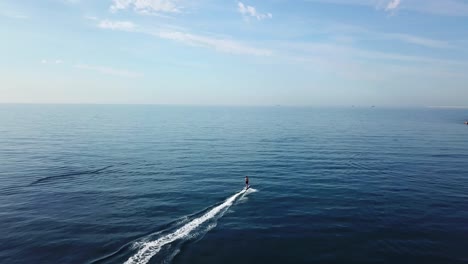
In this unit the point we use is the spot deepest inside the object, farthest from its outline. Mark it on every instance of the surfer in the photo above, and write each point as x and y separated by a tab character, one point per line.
246	182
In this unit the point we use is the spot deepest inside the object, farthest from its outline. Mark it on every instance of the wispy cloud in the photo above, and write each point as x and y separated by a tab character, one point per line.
334	51
436	7
426	42
362	64
439	7
392	5
146	6
109	70
14	15
56	61
222	45
247	10
363	33
72	1
117	25
217	43
92	18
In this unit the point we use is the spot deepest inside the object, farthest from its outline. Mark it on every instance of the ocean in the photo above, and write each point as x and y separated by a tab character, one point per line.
165	184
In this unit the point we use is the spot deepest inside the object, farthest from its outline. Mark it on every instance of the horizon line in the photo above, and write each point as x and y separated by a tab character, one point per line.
231	105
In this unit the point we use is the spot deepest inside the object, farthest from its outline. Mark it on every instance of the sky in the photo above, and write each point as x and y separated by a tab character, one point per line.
395	53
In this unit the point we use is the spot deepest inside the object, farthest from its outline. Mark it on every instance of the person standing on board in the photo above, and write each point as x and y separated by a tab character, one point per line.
246	182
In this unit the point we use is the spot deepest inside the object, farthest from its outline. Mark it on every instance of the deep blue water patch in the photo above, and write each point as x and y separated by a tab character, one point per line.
101	184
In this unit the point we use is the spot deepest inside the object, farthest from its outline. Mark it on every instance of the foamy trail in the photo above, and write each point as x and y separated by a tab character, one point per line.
243	197
151	248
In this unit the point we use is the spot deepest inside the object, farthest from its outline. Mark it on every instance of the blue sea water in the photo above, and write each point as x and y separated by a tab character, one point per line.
164	184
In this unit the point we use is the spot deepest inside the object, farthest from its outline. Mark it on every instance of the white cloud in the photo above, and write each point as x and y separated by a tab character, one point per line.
92	18
109	70
356	63
345	52
117	25
392	5
247	10
222	45
56	61
216	43
363	33
14	15
436	7
426	42
146	6
440	7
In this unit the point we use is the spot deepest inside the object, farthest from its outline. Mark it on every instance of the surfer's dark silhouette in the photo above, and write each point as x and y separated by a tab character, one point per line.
246	182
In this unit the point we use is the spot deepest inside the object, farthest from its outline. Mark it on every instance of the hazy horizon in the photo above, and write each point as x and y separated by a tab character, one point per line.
387	53
242	105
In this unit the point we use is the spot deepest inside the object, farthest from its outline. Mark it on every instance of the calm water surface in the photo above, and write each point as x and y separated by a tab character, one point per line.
163	184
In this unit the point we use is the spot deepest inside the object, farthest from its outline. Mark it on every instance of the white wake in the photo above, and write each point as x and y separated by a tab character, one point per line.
151	248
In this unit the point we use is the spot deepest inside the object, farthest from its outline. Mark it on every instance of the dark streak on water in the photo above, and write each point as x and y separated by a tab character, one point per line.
334	185
71	174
